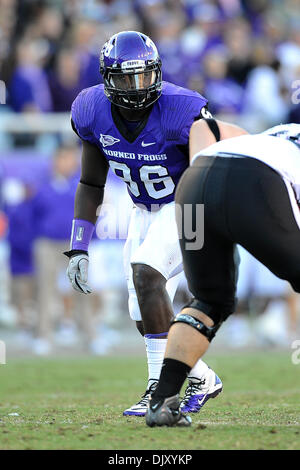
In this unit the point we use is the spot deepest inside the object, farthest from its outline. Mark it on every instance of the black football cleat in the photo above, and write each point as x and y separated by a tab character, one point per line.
167	413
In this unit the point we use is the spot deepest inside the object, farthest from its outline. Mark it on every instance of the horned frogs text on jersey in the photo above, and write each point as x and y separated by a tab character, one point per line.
150	159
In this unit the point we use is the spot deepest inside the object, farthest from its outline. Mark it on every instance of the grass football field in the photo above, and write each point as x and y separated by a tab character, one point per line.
78	404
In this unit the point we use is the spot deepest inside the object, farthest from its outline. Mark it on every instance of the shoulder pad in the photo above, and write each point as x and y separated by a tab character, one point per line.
179	114
83	111
180	108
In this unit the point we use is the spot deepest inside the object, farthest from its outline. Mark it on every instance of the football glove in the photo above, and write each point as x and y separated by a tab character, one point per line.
77	271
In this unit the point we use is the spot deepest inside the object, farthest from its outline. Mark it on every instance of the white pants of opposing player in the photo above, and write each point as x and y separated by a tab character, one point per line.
153	240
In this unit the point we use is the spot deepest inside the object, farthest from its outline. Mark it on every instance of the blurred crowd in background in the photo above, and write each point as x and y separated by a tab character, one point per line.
242	55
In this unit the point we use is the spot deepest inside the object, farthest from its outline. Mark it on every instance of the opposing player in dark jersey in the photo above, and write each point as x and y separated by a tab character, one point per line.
138	126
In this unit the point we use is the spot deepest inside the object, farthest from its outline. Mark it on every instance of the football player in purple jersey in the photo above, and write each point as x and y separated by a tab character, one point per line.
138	126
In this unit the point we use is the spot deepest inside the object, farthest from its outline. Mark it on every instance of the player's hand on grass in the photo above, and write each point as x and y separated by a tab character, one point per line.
77	271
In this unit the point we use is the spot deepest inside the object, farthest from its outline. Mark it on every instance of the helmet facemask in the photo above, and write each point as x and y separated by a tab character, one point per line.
133	85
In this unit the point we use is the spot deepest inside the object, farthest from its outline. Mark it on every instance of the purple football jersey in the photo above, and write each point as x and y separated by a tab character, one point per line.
151	158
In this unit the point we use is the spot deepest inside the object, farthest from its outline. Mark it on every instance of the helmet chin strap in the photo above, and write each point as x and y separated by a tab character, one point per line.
141	103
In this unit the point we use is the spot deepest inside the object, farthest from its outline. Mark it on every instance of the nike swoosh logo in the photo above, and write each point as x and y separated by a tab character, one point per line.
153	408
146	145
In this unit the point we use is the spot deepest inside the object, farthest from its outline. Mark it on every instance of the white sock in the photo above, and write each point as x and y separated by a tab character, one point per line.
199	370
155	349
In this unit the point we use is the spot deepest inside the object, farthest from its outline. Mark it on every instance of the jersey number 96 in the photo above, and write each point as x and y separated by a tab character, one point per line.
123	171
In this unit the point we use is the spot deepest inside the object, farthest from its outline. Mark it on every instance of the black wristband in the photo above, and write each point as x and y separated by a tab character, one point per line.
72	253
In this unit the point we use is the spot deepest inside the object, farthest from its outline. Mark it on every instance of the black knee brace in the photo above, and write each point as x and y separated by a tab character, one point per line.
208	331
218	313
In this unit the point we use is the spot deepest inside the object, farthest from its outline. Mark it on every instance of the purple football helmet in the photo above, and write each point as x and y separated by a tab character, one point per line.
131	70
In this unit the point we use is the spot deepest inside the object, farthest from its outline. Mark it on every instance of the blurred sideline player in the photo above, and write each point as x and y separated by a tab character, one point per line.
138	126
250	187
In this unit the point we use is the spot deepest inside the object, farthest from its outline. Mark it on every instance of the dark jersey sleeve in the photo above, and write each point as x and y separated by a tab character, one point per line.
83	115
191	110
94	166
